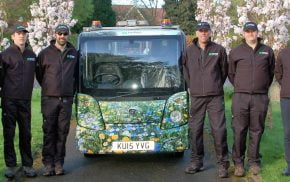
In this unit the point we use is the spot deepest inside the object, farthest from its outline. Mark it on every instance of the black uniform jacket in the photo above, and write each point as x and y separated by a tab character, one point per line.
17	73
282	72
251	70
205	74
56	70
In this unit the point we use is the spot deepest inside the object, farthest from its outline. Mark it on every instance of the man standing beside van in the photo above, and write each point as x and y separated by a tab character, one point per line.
205	70
17	77
282	74
251	71
56	73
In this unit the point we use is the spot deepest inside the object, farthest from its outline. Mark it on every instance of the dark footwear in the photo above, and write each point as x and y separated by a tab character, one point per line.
59	170
223	172
193	168
11	172
286	172
29	171
255	169
239	170
48	171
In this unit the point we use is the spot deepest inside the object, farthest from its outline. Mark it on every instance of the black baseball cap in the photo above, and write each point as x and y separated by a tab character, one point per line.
250	26
202	25
62	28
19	28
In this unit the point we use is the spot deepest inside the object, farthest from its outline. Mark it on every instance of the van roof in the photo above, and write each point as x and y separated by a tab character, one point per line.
132	31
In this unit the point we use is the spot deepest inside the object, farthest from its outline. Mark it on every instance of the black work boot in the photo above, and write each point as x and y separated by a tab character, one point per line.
255	169
48	170
59	170
194	167
223	171
10	172
29	171
239	170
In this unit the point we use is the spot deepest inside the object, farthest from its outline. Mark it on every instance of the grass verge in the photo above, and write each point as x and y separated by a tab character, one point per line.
272	149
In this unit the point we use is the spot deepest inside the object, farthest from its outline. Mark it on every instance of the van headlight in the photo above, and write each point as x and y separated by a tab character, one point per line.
176	111
88	113
175	116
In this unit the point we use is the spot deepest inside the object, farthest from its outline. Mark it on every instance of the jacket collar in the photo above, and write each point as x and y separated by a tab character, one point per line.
259	43
15	47
195	42
68	45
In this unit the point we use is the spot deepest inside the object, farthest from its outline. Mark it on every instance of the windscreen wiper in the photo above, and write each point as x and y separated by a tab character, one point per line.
124	95
131	93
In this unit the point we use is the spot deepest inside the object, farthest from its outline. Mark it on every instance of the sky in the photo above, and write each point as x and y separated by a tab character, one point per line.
127	2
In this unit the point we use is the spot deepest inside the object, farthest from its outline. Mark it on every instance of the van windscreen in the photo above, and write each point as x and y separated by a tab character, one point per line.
131	62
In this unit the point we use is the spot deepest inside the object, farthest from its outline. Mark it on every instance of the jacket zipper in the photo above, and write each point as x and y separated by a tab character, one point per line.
63	55
202	69
203	92
22	55
253	71
61	71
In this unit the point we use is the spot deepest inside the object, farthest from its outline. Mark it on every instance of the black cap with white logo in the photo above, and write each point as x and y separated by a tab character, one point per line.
250	26
202	25
62	28
19	28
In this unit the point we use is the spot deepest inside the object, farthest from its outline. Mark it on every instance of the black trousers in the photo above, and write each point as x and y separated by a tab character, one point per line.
285	110
56	113
249	113
17	110
214	105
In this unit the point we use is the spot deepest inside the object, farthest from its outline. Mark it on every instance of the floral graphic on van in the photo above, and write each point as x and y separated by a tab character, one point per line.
104	125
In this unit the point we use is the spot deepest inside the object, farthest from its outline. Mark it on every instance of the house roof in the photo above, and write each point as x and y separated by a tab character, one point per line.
132	12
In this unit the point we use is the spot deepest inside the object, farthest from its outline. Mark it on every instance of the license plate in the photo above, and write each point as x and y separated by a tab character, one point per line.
133	145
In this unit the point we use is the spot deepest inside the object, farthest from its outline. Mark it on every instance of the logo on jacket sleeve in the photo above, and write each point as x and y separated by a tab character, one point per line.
213	54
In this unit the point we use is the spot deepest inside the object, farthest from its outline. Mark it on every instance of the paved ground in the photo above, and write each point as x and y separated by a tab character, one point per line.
130	168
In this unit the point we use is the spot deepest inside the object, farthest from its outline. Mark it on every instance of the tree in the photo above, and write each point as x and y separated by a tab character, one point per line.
216	13
182	12
46	15
171	7
233	10
4	42
83	12
149	9
187	15
15	13
103	11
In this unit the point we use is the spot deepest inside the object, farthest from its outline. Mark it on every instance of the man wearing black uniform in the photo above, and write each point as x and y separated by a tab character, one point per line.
56	73
17	77
282	74
251	71
205	70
